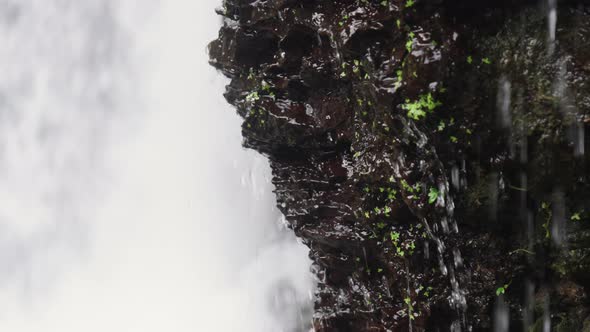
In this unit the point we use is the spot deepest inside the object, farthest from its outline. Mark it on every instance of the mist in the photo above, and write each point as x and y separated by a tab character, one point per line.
128	203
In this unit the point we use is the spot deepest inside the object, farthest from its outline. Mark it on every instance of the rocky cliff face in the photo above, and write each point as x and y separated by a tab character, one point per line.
430	153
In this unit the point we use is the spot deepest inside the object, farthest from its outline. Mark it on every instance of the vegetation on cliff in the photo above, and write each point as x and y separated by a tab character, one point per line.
430	154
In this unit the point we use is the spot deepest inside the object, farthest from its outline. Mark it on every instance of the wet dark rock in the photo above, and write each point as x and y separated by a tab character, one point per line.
430	154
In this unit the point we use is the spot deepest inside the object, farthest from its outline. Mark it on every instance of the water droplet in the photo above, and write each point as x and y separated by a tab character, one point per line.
503	103
579	144
457	258
558	229
455	177
551	25
501	315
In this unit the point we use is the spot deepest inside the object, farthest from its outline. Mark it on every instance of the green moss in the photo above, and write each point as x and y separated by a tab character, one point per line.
418	109
433	195
410	42
253	96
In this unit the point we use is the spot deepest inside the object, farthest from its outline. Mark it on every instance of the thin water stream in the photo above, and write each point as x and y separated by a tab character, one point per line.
128	203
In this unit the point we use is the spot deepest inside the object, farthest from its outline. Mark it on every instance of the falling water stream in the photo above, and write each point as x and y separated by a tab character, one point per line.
128	203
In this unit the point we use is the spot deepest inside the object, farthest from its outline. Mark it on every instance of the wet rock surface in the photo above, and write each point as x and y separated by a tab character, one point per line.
431	154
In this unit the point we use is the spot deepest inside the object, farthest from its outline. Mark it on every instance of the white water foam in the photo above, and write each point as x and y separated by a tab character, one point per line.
128	203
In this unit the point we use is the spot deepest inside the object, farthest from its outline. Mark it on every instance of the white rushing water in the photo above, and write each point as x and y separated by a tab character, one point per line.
127	203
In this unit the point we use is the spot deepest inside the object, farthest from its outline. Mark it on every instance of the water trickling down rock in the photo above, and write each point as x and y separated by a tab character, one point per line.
366	110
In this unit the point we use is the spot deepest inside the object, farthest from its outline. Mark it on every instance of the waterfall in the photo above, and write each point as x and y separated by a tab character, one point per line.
128	203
